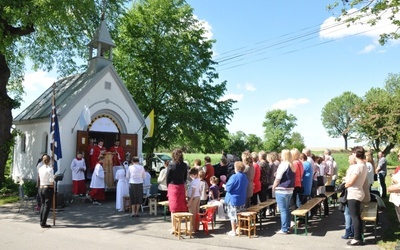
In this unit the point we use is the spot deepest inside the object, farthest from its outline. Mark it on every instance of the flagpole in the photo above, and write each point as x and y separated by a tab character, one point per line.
53	107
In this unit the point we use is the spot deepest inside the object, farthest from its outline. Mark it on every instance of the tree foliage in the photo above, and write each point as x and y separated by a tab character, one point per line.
278	126
373	117
336	117
254	143
296	141
49	33
239	141
370	12
378	116
236	143
165	60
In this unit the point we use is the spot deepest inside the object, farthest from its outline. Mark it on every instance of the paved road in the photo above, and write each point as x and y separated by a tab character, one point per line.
86	226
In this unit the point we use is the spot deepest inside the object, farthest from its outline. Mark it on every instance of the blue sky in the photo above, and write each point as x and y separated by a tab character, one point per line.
275	54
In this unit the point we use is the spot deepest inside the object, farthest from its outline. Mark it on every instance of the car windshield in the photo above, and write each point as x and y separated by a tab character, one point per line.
165	157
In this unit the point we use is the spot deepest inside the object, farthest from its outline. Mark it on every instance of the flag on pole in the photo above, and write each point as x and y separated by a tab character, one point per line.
84	118
150	124
55	143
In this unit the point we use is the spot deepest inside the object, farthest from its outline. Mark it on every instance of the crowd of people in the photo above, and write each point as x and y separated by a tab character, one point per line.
291	177
234	184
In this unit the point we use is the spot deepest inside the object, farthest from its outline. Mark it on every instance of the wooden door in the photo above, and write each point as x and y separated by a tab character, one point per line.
82	143
129	143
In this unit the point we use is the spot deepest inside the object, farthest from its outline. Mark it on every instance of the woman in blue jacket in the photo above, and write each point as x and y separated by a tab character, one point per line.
236	189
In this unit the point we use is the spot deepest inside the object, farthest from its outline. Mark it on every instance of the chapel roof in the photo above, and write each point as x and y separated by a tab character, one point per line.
66	89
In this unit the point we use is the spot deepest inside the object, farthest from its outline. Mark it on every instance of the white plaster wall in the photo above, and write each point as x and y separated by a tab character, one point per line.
98	99
24	163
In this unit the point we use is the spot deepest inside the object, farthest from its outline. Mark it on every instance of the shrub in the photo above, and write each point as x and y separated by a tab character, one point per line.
30	188
9	187
392	159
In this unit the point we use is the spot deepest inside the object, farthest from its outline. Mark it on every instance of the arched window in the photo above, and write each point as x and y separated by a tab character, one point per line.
45	143
23	143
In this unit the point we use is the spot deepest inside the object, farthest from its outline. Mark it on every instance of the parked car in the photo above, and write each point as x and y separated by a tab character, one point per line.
157	161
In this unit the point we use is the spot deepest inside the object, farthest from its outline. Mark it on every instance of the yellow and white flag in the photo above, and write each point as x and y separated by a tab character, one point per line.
150	124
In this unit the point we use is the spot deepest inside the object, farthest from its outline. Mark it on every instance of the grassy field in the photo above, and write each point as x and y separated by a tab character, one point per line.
215	158
340	157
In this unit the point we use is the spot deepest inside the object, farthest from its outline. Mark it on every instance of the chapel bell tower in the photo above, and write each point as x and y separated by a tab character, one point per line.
100	49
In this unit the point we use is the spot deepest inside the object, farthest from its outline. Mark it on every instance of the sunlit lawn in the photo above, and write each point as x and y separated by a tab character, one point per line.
8	199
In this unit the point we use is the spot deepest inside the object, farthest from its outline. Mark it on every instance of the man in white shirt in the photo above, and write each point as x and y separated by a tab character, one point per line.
46	189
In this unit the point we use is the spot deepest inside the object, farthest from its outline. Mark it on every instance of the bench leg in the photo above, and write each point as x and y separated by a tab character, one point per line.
295	224
165	213
305	224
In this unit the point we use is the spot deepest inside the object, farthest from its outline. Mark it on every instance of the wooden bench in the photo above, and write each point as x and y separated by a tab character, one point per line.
329	196
260	207
304	209
165	204
369	213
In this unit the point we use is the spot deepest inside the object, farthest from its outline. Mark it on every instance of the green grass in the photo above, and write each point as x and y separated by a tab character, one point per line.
215	158
8	199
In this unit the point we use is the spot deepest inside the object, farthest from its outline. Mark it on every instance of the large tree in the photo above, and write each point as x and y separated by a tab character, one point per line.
165	59
278	126
336	117
377	119
50	34
370	12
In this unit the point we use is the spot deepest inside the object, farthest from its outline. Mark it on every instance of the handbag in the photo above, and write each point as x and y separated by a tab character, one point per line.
320	181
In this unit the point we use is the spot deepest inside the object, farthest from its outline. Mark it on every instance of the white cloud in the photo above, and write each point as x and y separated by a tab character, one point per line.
248	86
332	29
206	26
38	80
368	49
290	103
208	32
236	97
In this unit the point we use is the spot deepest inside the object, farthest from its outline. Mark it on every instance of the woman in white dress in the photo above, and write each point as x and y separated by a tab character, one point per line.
122	187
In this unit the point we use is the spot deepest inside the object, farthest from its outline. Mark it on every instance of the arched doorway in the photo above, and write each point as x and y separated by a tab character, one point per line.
107	128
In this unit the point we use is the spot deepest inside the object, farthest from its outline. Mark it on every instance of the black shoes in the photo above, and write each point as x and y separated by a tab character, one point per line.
346	237
355	243
45	226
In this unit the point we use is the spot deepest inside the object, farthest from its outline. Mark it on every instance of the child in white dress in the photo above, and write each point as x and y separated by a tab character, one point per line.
122	187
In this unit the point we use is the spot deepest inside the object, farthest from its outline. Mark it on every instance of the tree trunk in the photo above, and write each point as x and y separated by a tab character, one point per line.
6	105
345	142
387	149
